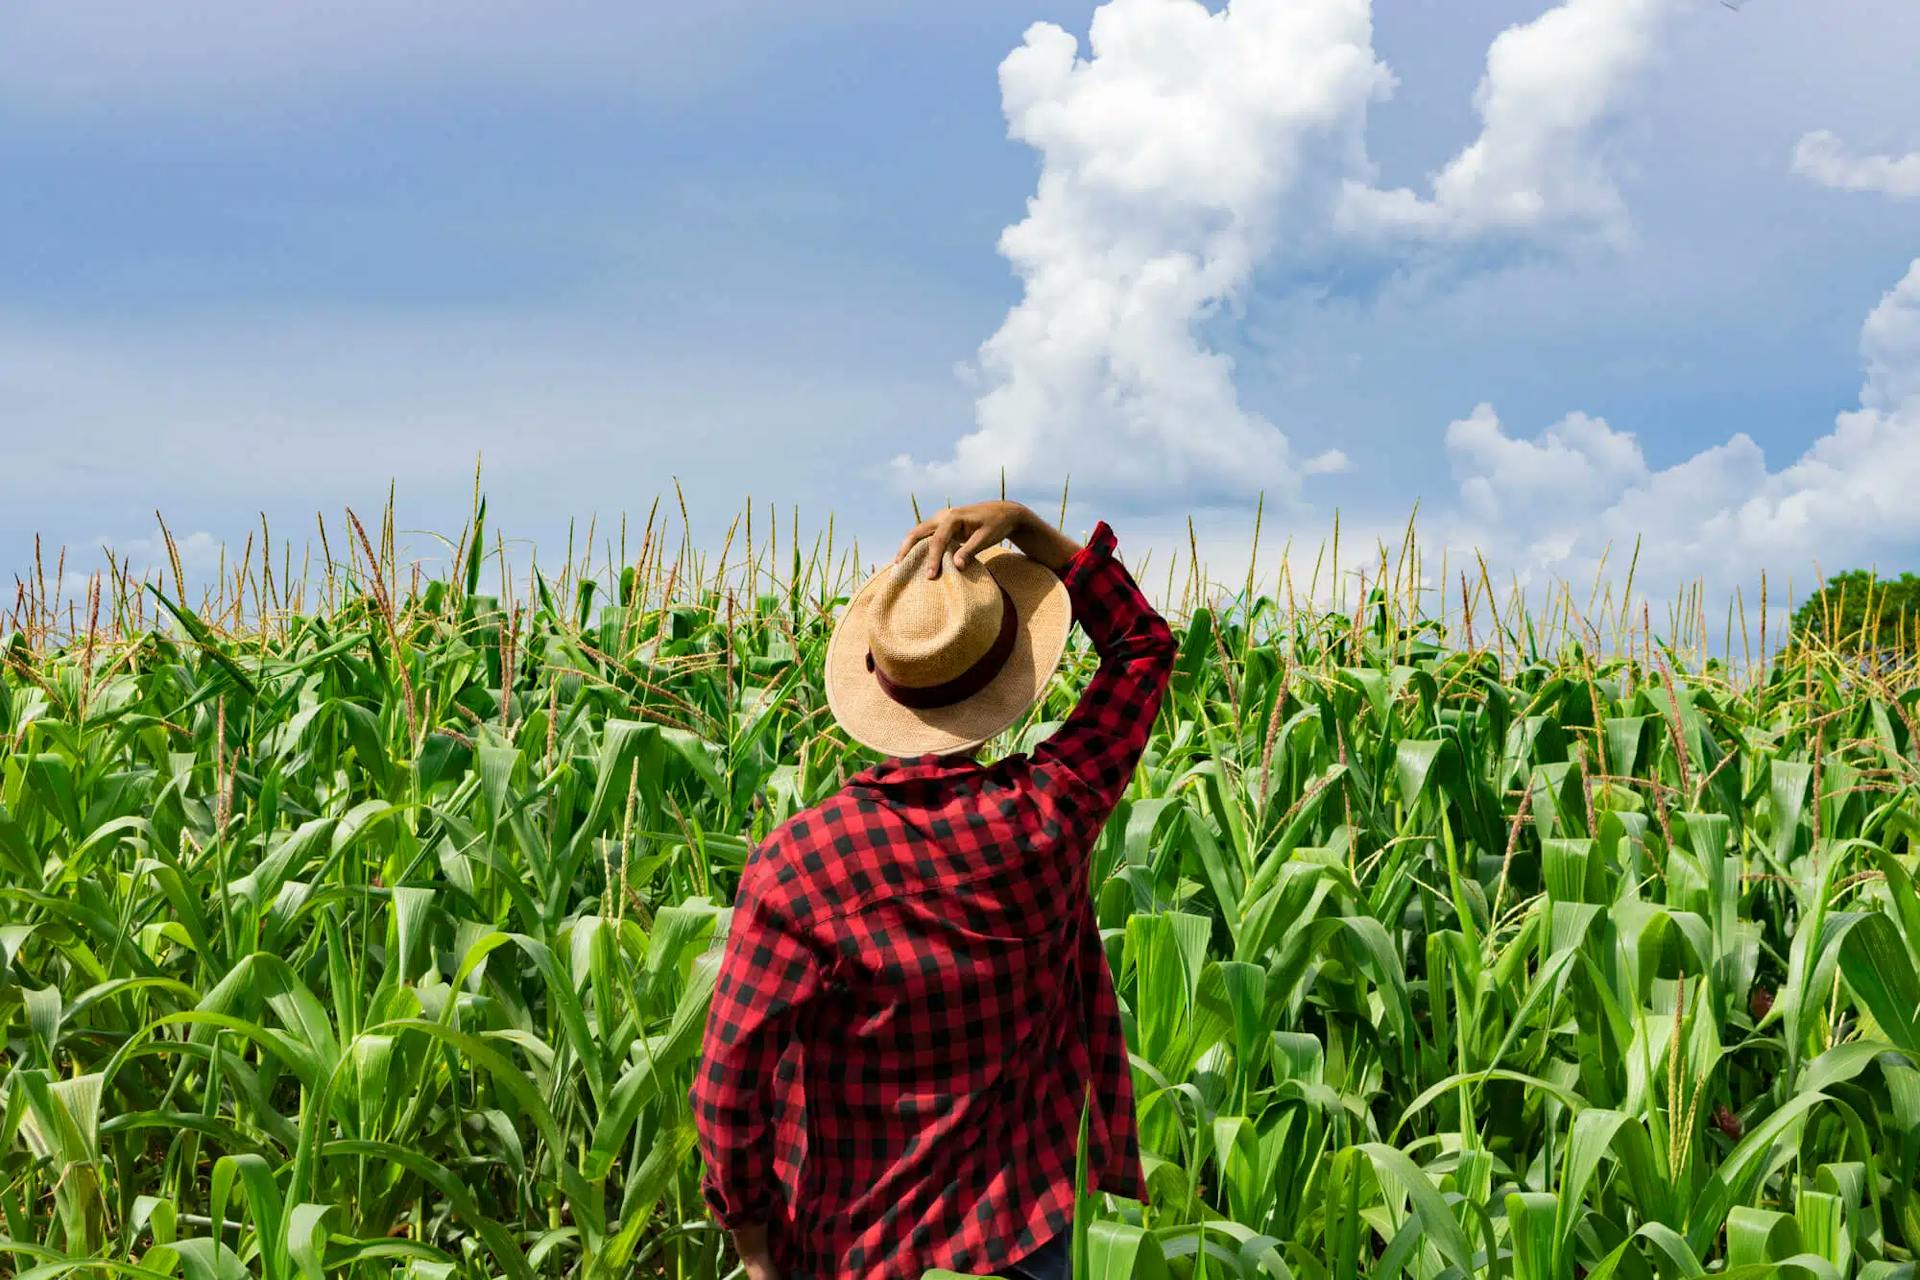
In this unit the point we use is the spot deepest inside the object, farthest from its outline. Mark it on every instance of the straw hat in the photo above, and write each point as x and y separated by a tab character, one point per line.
920	664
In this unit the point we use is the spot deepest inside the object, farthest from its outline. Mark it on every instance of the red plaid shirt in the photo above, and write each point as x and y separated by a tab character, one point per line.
925	939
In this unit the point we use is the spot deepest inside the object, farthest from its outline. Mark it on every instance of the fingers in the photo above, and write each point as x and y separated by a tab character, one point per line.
914	535
984	536
943	531
979	525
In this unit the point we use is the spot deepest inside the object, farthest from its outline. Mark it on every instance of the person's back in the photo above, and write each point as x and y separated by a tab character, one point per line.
925	941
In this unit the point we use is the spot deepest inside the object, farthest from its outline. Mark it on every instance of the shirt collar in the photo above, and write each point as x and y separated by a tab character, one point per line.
926	767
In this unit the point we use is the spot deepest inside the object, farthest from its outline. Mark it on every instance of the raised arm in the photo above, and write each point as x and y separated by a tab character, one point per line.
1100	742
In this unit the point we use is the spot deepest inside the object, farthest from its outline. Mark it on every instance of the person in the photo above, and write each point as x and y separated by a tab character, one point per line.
923	941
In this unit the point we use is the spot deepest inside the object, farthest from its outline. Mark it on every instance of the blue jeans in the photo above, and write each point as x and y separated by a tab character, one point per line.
1051	1261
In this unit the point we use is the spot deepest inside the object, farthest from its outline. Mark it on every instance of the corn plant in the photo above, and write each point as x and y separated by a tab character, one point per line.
362	920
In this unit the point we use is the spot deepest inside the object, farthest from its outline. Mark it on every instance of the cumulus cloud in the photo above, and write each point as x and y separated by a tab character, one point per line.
1189	149
1553	502
1890	340
1171	159
1535	168
1824	158
1554	480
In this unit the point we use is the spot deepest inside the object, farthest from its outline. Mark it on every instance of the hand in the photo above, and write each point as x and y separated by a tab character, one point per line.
751	1244
985	524
977	525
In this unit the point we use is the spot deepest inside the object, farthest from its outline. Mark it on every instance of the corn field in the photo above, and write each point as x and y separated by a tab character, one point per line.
356	921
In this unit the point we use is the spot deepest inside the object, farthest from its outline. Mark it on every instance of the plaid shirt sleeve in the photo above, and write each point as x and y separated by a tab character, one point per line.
767	973
1100	742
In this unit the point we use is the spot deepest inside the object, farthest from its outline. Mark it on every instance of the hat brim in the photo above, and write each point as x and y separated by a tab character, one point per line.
875	720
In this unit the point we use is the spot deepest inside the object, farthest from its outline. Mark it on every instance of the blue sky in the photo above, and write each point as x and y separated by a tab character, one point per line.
269	257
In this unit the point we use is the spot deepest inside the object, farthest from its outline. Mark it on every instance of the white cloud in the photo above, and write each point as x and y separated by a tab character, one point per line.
1169	161
1536	168
1553	503
1824	158
1574	459
1890	340
1191	148
1546	508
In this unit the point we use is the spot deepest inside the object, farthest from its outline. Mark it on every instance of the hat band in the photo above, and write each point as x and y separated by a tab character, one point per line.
969	682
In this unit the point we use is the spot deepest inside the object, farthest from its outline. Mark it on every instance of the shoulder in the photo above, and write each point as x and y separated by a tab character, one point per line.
832	822
1044	788
796	868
